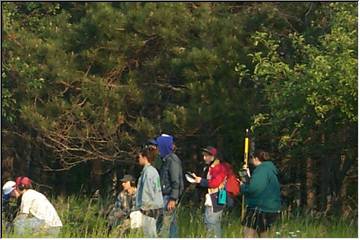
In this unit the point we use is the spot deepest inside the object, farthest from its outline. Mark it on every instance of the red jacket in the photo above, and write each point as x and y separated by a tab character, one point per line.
215	177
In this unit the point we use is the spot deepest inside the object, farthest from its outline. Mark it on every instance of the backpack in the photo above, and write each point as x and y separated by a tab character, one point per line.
232	181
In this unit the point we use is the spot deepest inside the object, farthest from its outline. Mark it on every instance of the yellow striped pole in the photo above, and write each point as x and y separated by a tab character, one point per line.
245	166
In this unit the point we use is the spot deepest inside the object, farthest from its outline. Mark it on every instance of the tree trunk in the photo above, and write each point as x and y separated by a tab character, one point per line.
310	181
96	171
324	179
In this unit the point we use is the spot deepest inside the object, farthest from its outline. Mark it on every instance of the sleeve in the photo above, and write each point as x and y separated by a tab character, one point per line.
118	201
257	183
121	203
175	171
25	205
204	183
148	191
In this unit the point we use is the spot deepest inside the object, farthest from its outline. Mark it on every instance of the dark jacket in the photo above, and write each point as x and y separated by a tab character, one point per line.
171	175
263	190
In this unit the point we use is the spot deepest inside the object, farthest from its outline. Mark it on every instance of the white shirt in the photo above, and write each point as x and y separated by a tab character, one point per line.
39	206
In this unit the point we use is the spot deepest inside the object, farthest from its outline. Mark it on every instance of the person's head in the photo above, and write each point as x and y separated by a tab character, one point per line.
23	184
152	143
9	190
259	156
127	182
209	154
165	144
146	156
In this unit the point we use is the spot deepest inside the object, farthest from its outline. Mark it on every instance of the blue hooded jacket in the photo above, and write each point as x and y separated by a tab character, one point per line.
165	144
171	173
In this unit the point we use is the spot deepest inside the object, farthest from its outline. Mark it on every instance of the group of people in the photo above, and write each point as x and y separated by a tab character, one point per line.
159	191
34	213
151	204
155	198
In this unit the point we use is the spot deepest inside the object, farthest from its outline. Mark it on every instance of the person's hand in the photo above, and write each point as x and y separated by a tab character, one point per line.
171	205
248	171
197	179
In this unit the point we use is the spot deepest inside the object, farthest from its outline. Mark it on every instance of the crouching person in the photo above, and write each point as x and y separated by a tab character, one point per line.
37	216
149	198
9	206
119	216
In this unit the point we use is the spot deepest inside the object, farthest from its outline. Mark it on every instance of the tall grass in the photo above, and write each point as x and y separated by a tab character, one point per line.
84	218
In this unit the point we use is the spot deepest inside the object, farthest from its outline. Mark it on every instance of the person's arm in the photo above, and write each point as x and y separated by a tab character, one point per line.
175	171
257	183
25	204
148	191
24	209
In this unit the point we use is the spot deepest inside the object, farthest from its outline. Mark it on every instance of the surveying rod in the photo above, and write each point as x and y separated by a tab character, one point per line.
243	173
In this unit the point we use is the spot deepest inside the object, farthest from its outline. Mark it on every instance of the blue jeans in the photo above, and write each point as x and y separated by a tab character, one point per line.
213	222
149	227
166	225
35	227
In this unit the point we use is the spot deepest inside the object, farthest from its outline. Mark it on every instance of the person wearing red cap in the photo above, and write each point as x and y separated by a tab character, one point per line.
36	215
214	181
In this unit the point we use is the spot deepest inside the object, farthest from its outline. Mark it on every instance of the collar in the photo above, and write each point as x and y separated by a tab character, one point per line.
214	163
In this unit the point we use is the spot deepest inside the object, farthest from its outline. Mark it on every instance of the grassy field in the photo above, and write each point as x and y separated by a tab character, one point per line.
83	218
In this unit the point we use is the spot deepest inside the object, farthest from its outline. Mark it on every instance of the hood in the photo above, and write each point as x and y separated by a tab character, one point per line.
165	144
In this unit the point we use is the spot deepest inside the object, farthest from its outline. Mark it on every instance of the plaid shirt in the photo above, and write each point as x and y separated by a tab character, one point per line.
125	202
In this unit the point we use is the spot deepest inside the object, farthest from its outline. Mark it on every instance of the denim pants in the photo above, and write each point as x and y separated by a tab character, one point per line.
35	227
212	222
149	226
167	223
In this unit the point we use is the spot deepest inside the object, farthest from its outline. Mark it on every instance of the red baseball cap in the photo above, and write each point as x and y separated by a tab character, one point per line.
25	181
210	150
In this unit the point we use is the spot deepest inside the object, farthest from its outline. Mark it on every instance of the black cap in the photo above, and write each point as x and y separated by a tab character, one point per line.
152	141
127	178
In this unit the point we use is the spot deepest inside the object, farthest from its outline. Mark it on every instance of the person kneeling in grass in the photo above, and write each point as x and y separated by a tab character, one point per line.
149	199
36	215
119	215
262	196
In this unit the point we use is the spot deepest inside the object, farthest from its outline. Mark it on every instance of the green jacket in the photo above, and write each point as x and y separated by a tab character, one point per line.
263	190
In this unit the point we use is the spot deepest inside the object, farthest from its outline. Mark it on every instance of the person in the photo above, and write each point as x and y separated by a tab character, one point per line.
262	196
149	198
214	181
172	183
124	205
36	215
9	208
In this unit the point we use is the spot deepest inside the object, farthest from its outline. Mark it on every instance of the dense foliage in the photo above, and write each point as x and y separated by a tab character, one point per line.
84	84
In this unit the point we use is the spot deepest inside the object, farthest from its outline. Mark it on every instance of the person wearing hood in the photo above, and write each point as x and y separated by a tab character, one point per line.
172	184
262	196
